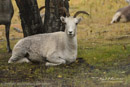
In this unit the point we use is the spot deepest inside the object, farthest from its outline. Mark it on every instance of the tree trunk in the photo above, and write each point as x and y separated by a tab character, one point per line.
53	13
30	17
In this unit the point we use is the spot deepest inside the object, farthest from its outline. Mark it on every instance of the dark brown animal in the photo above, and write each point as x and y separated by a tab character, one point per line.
6	14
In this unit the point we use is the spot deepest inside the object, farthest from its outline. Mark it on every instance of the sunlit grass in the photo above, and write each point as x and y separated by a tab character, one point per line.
104	55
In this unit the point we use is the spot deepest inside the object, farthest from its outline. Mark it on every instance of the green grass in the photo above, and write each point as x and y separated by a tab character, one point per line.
100	63
107	55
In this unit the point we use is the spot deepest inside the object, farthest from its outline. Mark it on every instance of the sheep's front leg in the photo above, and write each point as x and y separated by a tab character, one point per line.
23	60
55	61
51	64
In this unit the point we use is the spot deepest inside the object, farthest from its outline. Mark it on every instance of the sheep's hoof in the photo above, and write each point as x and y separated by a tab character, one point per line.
9	51
10	61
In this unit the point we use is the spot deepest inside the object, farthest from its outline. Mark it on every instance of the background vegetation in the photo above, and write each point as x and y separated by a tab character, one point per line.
103	52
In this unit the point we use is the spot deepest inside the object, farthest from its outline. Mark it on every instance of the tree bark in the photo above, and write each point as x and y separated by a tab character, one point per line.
30	17
53	13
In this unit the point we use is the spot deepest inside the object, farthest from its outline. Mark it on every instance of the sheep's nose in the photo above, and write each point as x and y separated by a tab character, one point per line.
70	32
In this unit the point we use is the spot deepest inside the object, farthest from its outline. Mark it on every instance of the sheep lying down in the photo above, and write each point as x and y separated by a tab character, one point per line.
122	14
51	46
57	48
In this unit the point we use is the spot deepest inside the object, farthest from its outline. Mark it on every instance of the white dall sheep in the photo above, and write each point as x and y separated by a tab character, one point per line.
122	14
57	48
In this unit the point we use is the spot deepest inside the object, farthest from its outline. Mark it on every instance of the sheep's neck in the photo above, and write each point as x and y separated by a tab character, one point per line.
71	43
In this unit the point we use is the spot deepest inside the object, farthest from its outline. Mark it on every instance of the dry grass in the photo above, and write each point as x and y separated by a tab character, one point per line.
94	27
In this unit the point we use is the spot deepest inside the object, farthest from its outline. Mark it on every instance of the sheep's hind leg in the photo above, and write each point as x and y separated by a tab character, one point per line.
18	56
14	59
55	61
18	60
23	60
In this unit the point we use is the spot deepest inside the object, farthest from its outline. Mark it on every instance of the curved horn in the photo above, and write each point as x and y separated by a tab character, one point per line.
41	8
65	11
79	12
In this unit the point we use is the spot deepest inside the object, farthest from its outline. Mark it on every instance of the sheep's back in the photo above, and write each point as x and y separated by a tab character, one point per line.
41	43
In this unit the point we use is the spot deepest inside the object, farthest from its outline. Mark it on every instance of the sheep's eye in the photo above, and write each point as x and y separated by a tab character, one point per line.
76	23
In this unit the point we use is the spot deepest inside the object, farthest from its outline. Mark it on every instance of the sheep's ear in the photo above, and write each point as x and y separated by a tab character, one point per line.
62	19
78	20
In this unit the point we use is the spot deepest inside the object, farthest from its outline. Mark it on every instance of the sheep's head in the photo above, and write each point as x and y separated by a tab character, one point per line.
71	23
